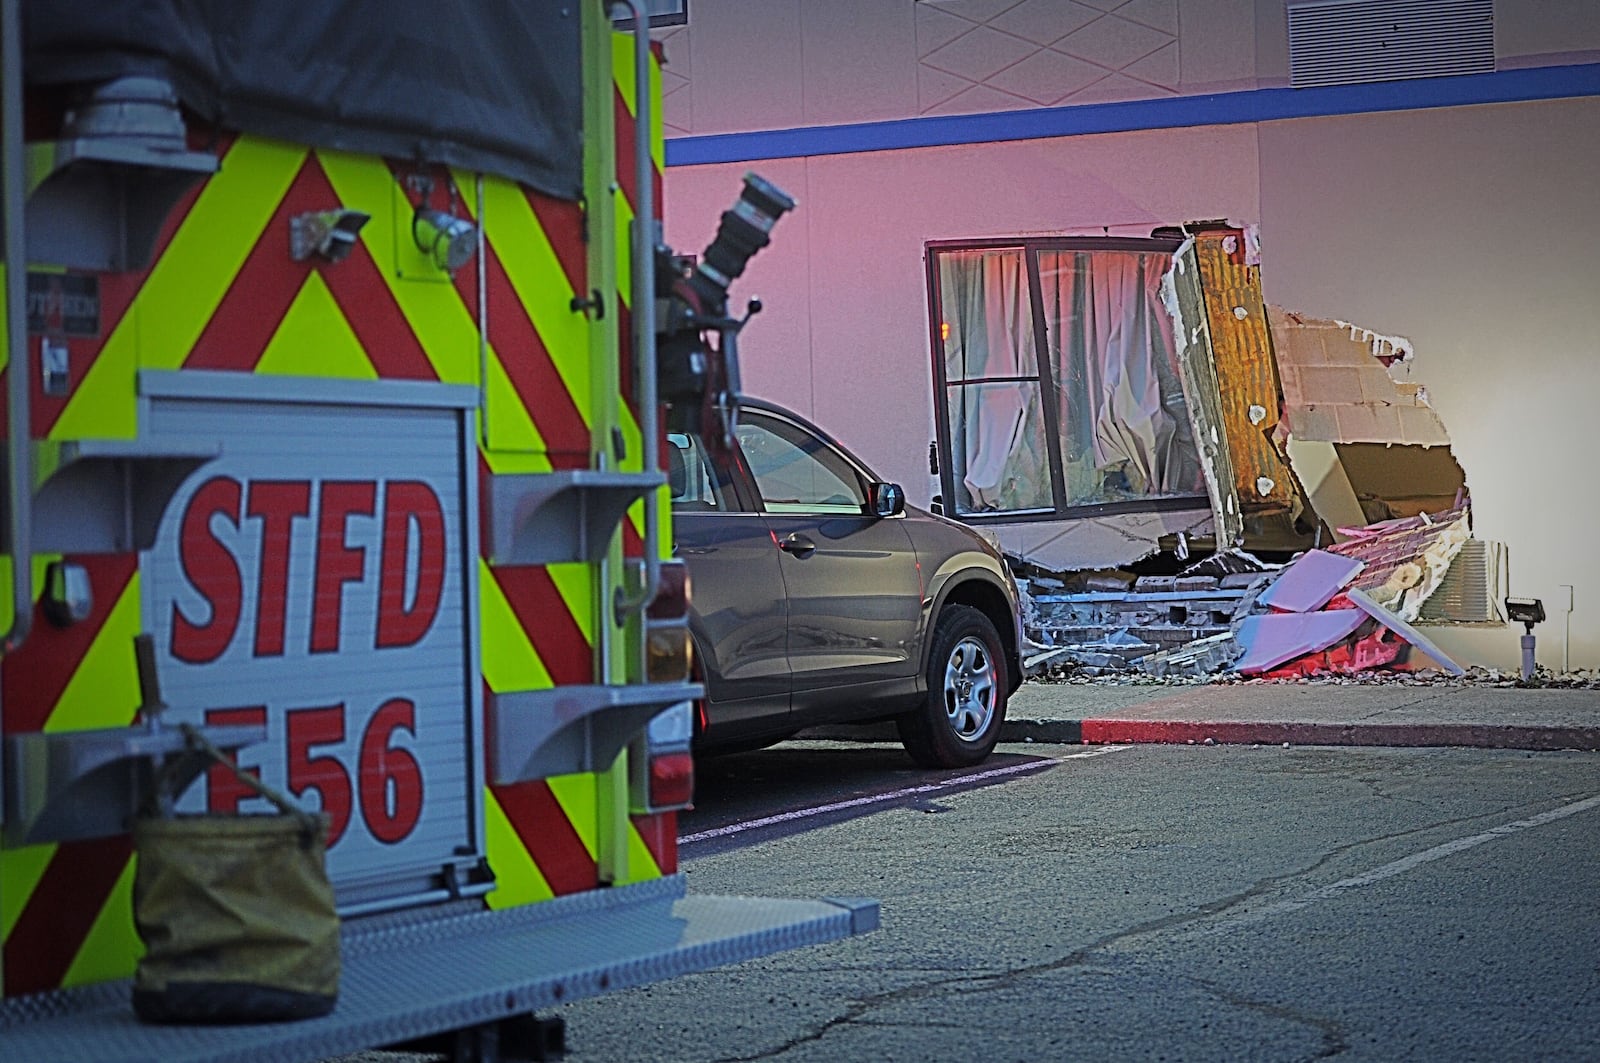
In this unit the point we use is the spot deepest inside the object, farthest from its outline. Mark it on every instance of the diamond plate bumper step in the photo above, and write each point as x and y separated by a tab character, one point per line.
409	975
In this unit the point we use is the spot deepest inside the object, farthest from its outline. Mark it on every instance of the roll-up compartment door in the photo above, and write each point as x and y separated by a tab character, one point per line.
317	578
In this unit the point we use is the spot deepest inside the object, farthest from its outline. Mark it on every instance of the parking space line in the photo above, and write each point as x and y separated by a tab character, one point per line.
893	795
1398	867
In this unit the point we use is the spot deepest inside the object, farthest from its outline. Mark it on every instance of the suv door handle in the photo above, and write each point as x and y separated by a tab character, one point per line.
797	544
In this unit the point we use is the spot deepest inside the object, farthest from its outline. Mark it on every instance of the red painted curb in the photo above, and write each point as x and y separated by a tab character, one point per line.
1482	736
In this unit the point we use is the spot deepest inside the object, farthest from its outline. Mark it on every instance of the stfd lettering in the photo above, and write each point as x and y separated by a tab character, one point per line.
214	571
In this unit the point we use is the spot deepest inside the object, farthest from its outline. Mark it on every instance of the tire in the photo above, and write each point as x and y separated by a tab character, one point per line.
959	721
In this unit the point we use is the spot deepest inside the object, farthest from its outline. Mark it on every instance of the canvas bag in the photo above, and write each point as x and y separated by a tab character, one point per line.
235	911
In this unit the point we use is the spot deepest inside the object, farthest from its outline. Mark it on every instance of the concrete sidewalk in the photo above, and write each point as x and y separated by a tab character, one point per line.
1308	713
1324	712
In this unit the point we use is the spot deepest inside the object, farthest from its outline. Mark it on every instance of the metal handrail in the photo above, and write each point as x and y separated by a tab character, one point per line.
644	307
19	444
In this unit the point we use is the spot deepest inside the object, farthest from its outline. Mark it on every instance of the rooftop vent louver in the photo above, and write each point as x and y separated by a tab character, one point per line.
1349	42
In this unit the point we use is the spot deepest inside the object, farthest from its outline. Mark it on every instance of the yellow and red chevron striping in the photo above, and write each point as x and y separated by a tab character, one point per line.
548	622
625	171
244	323
549	836
563	223
34	677
627	178
61	911
659	833
514	336
63	903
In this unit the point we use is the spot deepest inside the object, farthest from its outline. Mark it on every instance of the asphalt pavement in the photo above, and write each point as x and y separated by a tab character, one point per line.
1490	714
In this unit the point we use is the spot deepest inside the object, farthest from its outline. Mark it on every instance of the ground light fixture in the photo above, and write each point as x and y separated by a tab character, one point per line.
1527	612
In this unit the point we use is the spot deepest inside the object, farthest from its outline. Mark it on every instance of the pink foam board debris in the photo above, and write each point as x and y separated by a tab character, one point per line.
1400	627
1311	581
1270	639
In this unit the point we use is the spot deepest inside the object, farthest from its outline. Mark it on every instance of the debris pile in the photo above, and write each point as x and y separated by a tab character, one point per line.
1344	609
1338	515
1111	621
1475	675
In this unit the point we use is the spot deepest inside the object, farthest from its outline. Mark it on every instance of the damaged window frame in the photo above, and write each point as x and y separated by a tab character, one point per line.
1276	400
1042	377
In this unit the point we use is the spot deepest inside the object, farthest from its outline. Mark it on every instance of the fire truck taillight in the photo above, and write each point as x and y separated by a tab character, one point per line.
672	599
669	652
660	763
671	781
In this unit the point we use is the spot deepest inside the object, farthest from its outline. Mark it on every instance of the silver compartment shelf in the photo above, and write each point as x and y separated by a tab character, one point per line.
72	785
543	733
411	978
104	199
567	515
106	495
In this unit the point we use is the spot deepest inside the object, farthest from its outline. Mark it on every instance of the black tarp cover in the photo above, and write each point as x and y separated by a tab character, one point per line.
490	85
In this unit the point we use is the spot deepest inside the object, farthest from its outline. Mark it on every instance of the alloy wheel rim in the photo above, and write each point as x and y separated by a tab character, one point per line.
969	689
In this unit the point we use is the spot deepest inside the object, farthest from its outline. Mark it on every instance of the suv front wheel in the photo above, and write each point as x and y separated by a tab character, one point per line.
959	722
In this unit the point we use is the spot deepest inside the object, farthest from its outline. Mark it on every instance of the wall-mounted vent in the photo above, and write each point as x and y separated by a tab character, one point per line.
1348	42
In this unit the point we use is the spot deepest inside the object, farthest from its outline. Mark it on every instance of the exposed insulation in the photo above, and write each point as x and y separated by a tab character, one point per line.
1406	559
1247	379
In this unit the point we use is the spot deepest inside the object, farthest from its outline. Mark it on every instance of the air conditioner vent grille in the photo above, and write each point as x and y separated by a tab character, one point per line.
1469	592
1349	42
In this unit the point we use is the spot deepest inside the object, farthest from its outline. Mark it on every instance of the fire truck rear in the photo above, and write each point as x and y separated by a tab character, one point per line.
332	378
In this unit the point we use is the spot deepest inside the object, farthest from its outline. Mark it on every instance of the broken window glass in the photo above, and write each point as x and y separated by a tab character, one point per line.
1060	378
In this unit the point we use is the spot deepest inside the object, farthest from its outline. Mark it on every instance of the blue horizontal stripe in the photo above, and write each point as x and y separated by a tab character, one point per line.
1173	112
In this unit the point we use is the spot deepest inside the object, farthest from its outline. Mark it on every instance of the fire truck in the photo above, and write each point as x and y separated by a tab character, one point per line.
340	342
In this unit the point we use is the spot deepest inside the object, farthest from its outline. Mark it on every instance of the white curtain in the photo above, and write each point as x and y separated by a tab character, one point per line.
988	326
1125	431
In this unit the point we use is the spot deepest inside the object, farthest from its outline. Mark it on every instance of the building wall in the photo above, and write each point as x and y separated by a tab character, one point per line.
779	64
844	337
1472	231
1468	229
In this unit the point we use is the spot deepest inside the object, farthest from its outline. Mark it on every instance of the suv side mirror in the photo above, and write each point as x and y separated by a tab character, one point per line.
887	500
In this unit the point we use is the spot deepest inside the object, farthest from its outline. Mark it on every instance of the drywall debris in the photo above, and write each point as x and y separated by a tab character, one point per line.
1270	639
1404	629
1200	657
1310	582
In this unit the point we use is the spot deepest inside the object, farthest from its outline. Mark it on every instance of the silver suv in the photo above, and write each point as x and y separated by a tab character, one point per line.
819	596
